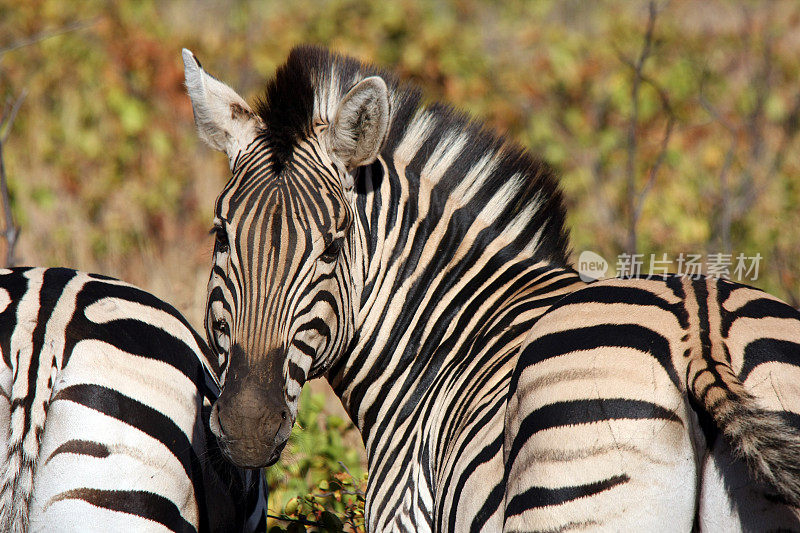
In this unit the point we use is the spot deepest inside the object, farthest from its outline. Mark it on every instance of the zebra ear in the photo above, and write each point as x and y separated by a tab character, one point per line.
223	119
361	123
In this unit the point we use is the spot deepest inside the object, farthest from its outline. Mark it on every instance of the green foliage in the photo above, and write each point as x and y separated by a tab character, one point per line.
107	173
320	478
330	505
107	125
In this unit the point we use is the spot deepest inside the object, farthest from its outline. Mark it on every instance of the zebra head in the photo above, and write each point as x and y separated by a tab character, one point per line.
280	296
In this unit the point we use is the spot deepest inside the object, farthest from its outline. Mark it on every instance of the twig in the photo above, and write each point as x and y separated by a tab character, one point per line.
46	34
303	521
651	178
359	491
662	153
11	231
630	165
635	199
5	123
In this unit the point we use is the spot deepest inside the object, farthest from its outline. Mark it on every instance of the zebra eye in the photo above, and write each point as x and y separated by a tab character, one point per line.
221	334
332	251
221	326
221	245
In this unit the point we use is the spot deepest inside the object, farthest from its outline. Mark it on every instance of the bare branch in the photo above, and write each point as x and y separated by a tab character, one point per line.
715	114
11	231
634	198
668	129
651	178
46	34
359	491
662	153
7	120
630	165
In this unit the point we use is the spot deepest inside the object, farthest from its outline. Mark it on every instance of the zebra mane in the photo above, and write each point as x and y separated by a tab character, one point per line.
458	156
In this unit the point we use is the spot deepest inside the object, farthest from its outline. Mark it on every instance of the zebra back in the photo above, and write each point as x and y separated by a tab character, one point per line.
107	396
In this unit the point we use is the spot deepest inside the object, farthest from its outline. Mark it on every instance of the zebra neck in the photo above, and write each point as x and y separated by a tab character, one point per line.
431	281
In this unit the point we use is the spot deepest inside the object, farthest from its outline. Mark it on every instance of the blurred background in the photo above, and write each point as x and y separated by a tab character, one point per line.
674	128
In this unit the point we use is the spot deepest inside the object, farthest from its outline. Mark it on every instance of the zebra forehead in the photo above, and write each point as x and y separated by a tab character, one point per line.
282	199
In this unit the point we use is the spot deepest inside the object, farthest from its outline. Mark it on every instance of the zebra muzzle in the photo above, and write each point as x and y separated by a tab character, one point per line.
251	434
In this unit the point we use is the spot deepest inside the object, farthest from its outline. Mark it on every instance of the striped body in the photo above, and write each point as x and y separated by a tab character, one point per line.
415	321
628	397
105	397
426	376
408	255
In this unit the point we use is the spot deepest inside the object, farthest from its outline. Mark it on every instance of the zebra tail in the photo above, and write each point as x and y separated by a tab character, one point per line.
21	455
769	446
16	491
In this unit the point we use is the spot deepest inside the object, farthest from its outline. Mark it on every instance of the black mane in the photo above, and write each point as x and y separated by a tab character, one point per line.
293	100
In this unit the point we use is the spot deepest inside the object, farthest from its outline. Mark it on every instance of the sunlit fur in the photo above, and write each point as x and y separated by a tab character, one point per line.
639	404
449	218
104	402
454	247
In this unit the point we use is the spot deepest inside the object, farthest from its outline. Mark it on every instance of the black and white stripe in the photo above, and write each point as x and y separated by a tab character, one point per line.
410	282
106	392
407	254
639	404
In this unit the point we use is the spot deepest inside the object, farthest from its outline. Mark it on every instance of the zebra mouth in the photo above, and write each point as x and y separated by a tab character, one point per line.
248	461
275	455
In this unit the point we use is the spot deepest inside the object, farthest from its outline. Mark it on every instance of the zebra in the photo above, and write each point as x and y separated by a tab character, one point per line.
410	256
105	391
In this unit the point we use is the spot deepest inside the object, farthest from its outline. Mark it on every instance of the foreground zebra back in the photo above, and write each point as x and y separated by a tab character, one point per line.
105	406
641	403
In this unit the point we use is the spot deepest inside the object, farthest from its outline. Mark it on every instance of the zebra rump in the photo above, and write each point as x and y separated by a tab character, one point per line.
669	389
105	397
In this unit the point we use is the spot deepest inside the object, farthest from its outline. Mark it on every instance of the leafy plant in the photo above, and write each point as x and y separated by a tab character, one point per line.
319	483
106	173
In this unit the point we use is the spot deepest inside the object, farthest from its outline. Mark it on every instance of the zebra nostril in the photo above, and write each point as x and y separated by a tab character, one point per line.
215	423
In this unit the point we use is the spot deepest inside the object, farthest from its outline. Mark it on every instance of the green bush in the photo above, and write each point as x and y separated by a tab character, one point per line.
106	172
319	479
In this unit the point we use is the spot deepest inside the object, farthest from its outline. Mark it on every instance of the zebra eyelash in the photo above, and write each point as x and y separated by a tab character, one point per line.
220	340
331	251
221	243
221	326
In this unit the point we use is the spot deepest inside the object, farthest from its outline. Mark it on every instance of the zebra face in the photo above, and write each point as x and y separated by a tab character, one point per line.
279	299
280	296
